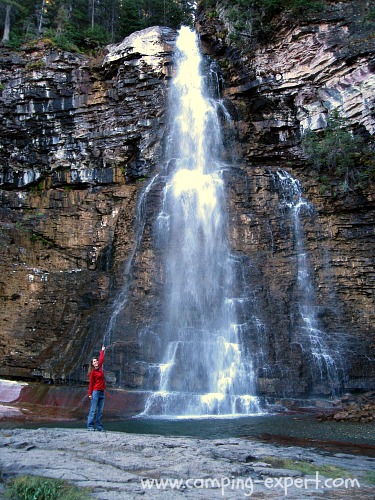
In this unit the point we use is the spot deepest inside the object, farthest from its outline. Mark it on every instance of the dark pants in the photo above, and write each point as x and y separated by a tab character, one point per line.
96	408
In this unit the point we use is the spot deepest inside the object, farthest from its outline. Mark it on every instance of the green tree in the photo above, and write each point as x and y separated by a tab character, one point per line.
139	14
8	5
131	17
40	14
87	24
339	154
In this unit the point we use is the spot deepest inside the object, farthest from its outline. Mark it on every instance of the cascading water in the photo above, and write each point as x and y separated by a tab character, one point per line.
122	298
326	369
205	370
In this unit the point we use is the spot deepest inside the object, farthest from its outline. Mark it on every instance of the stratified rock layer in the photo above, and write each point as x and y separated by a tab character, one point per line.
306	71
77	140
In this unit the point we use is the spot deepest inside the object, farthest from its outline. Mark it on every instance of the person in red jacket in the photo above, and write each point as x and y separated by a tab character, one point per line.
96	392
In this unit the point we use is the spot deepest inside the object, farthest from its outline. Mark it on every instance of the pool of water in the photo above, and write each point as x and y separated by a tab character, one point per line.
284	429
257	426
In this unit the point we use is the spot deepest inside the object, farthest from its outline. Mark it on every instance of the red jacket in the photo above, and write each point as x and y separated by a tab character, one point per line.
97	380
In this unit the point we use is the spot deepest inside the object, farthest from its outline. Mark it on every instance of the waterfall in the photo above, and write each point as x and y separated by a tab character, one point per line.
326	368
205	369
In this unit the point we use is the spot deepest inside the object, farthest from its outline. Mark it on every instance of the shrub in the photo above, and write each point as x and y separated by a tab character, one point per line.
35	65
340	155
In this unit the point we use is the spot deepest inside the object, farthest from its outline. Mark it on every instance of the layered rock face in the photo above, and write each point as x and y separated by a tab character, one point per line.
277	91
78	138
81	153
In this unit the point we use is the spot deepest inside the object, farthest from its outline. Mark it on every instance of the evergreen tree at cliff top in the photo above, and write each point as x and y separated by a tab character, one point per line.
86	24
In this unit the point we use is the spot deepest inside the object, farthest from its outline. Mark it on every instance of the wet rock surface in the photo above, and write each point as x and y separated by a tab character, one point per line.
115	464
43	402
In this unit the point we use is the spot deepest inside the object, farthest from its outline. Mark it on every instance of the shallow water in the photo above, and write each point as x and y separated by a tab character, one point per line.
256	426
283	429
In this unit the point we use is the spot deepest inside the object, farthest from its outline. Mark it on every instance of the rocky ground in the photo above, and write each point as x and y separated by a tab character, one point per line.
129	466
354	409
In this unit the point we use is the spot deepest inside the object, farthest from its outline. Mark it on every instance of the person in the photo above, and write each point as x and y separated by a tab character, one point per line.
96	392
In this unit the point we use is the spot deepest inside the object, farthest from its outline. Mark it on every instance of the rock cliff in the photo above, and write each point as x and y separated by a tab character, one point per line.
80	149
277	90
78	137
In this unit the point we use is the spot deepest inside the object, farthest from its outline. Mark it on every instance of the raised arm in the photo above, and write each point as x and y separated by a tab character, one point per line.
101	357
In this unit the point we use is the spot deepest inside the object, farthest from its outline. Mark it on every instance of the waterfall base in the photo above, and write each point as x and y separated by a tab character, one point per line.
203	405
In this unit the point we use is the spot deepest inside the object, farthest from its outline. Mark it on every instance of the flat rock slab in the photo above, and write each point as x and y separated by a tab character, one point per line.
120	466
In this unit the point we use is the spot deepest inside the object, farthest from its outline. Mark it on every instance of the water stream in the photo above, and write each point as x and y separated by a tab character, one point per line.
205	370
122	298
326	365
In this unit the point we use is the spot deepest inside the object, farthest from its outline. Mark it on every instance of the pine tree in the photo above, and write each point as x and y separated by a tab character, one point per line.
131	17
9	6
6	32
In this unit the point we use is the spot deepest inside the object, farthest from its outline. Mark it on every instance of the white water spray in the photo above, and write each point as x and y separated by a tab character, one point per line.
205	370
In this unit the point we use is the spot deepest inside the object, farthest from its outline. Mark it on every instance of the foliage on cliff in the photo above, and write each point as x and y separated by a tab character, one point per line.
86	24
254	19
338	154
